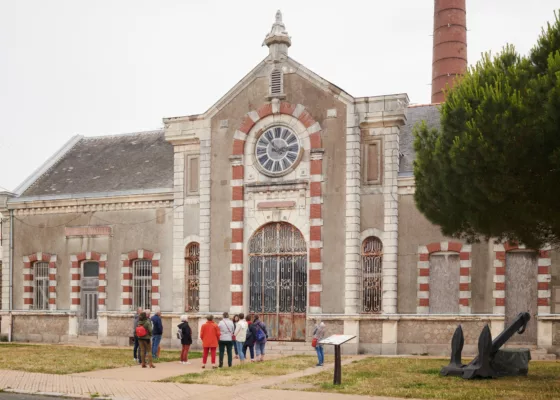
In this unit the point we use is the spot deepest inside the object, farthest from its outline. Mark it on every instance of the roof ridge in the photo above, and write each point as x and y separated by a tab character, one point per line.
150	132
424	105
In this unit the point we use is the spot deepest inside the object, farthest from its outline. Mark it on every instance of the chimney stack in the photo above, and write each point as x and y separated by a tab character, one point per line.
450	45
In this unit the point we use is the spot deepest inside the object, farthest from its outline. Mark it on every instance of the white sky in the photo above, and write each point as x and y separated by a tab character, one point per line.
115	66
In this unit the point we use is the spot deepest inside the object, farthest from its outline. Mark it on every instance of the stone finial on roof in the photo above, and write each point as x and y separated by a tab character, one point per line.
278	39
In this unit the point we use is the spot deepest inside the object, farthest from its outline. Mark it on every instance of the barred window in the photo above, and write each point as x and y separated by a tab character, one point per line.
41	286
192	271
372	257
142	284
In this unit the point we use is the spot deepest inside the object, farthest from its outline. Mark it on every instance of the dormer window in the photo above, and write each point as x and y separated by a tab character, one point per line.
276	83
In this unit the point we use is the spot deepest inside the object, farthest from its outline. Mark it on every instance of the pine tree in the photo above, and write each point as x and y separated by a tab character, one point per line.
493	168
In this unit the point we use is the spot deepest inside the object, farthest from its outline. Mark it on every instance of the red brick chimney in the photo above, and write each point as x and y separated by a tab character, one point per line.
450	45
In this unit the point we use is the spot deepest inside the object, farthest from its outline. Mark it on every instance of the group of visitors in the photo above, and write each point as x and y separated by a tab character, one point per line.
147	332
228	336
239	334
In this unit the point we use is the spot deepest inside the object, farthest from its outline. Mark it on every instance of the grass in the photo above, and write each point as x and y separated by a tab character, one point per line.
58	359
419	378
249	371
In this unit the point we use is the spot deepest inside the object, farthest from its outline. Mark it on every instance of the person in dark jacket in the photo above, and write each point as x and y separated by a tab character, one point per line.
156	332
186	339
250	339
144	340
260	330
136	344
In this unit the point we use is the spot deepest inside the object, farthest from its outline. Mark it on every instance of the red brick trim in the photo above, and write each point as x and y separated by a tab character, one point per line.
543	276
127	261
237	197
76	261
423	288
28	277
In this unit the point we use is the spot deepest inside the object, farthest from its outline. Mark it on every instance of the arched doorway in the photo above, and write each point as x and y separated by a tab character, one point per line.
278	280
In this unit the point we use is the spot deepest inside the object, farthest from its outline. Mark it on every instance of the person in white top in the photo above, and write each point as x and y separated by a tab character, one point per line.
240	336
226	339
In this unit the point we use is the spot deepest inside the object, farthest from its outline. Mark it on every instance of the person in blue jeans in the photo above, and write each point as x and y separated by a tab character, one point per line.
157	331
319	334
136	350
260	337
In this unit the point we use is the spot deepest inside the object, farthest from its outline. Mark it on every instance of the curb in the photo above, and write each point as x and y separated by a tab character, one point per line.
56	394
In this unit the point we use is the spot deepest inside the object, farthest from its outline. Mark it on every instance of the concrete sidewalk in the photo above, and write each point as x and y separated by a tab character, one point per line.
115	387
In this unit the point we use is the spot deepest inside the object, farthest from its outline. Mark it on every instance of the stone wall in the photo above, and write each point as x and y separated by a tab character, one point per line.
556	334
371	331
434	337
40	328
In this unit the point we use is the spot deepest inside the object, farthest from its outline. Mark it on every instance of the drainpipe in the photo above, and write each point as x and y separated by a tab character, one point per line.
11	290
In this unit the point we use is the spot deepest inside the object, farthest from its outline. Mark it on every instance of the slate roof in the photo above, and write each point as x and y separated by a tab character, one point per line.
126	162
415	114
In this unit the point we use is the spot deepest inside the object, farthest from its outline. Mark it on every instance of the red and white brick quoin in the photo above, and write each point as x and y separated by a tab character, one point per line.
127	259
464	251
543	277
76	271
28	276
315	188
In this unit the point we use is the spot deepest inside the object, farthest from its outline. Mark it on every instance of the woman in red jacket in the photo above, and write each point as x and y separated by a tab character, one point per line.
209	334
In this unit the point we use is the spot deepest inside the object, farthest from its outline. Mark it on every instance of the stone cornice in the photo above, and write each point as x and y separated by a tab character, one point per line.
116	203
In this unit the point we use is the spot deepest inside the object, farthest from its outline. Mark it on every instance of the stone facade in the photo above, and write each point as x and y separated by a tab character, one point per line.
199	182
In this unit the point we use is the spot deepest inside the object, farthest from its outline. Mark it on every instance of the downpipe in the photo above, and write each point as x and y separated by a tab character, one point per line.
11	287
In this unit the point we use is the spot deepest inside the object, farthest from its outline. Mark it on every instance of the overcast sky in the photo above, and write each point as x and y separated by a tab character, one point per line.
103	67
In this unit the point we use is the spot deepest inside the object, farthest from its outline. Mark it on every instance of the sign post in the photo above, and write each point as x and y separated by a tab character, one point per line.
336	341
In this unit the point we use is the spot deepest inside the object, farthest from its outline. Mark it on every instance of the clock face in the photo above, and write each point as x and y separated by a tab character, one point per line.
277	150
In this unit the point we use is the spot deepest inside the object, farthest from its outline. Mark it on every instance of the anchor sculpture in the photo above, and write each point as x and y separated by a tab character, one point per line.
487	364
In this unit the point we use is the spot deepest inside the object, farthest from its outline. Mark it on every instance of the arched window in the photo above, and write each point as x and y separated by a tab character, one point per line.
192	275
372	260
276	82
41	285
142	284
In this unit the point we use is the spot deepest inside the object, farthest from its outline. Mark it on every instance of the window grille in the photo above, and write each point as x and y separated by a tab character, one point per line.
192	264
142	284
276	84
372	257
41	286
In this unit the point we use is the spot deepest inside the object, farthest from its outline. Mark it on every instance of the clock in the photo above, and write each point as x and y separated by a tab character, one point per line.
277	150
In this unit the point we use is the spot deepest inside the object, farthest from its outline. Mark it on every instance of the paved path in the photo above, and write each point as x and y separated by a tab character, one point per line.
115	387
161	371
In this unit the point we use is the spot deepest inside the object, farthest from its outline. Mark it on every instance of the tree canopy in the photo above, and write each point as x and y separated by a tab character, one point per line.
493	167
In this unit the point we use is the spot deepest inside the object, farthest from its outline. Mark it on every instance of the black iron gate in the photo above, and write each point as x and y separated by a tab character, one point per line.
278	280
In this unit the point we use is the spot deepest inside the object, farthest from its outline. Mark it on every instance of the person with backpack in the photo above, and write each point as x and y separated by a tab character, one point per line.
249	339
260	337
184	334
144	333
209	334
226	339
240	336
318	335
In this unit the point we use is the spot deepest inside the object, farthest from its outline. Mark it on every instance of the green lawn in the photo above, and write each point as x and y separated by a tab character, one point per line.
419	378
248	371
59	359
